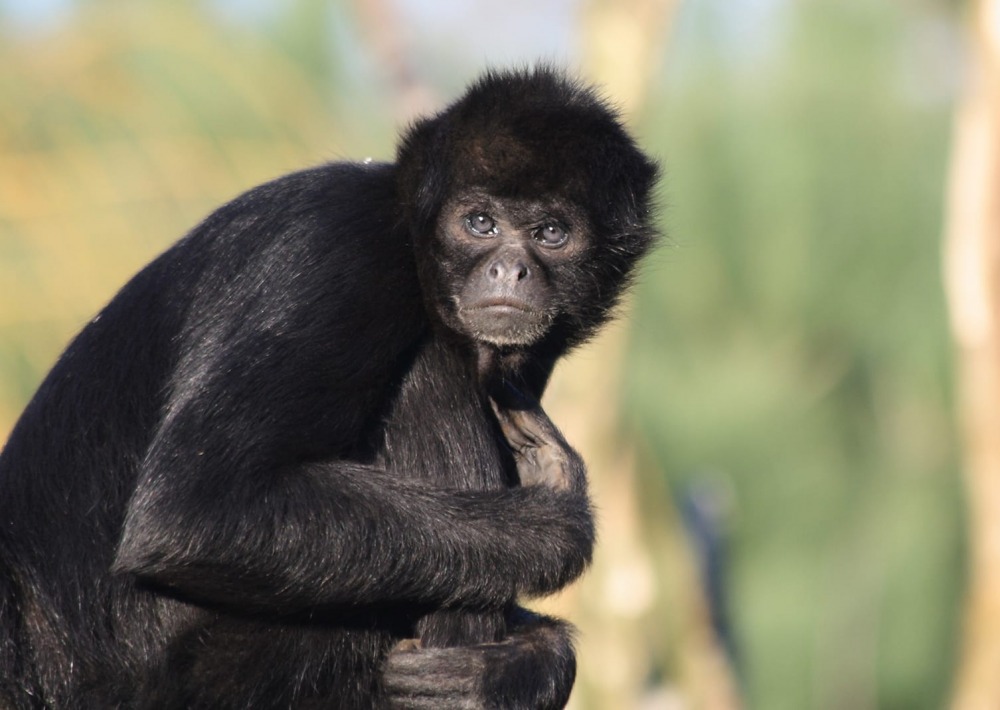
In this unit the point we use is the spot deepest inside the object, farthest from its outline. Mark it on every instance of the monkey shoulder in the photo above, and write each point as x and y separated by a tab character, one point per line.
299	295
315	254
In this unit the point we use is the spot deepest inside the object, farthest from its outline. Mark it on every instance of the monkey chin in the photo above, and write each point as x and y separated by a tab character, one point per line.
505	326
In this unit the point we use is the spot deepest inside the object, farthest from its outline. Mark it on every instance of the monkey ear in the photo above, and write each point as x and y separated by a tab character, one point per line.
623	198
422	178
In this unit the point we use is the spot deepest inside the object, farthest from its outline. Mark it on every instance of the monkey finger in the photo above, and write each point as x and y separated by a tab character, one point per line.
407	645
513	425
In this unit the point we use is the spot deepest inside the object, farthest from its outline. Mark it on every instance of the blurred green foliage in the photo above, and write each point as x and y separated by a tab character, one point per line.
790	354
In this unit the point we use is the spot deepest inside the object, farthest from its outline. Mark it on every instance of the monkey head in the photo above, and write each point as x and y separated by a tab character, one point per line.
528	204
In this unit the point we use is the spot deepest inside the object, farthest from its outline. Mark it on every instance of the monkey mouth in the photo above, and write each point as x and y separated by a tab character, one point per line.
504	321
501	305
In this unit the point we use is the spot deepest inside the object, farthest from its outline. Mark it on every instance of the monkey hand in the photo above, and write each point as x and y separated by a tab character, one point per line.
534	667
542	455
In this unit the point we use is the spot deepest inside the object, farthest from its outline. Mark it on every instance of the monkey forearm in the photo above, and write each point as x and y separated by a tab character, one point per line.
344	535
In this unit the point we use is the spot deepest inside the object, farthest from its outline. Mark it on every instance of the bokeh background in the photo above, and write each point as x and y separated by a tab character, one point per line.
771	430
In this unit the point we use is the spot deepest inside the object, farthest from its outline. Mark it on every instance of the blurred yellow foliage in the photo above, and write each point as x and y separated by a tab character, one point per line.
116	135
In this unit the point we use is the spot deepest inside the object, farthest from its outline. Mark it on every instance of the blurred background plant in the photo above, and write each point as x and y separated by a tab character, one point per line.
771	434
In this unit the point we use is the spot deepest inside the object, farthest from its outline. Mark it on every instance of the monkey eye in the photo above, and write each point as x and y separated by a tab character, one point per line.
481	224
551	235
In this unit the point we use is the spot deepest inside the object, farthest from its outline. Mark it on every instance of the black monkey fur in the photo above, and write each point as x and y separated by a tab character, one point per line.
309	431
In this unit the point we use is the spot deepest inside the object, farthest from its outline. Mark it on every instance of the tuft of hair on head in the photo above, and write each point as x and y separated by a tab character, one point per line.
533	133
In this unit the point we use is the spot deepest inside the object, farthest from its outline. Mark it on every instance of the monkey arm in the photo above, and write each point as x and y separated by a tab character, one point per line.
233	507
338	534
230	508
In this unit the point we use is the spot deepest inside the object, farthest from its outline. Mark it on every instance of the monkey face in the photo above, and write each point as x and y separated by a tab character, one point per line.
506	265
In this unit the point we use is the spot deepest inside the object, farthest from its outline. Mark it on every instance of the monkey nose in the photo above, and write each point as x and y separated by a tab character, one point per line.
502	270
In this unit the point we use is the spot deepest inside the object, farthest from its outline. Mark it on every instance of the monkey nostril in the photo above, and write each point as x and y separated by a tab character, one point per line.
501	270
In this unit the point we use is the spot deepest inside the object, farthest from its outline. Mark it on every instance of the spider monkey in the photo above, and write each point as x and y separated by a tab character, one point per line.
299	461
